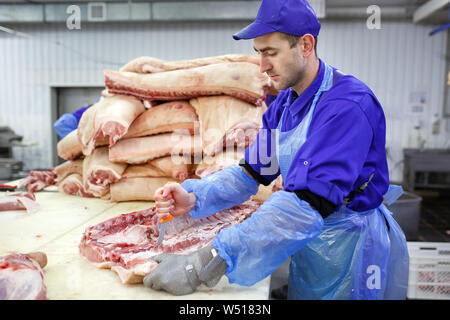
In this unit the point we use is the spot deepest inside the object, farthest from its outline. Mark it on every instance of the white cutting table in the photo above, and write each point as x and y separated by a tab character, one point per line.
56	229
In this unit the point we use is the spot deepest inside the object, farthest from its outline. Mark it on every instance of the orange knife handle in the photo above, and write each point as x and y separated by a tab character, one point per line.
167	219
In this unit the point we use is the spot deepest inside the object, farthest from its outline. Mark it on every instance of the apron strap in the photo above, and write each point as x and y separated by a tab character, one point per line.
337	75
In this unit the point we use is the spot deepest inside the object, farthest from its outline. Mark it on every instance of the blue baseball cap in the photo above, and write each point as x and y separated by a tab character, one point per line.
295	17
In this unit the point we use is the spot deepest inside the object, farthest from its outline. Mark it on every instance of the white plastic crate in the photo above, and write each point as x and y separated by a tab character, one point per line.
429	270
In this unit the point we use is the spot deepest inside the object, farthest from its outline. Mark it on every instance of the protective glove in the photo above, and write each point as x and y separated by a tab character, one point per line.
182	274
221	190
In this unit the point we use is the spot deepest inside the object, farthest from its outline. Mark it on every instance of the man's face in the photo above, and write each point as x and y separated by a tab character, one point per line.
284	65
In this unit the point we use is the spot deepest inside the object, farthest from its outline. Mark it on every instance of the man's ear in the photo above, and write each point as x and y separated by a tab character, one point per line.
307	46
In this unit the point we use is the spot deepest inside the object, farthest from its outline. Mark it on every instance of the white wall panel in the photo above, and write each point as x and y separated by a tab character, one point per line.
394	62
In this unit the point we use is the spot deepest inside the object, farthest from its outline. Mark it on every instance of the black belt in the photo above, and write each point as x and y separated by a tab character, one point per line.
360	190
352	195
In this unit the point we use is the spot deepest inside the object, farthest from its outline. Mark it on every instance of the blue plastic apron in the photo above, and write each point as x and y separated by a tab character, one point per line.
358	255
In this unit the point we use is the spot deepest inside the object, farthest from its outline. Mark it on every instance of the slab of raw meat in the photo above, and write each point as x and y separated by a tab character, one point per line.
19	201
166	117
109	117
153	65
137	188
21	278
73	185
69	148
67	168
38	180
226	121
212	164
142	170
142	149
177	167
126	243
240	136
99	172
240	79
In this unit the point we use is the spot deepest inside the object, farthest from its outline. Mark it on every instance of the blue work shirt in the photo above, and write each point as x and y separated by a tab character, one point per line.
345	143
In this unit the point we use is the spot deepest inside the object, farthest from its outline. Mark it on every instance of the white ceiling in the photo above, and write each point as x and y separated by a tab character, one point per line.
355	3
439	17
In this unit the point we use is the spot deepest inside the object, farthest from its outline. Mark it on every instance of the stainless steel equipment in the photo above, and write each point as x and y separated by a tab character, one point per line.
432	164
8	166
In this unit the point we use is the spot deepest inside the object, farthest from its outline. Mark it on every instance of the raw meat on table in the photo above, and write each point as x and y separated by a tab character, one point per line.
126	244
240	79
21	278
38	180
19	201
109	117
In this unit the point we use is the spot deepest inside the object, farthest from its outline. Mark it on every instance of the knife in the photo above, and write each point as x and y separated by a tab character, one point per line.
162	229
7	187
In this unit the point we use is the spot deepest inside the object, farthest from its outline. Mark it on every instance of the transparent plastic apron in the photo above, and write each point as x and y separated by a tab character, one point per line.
358	255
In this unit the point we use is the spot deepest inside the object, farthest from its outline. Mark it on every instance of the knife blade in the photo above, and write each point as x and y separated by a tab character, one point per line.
163	224
162	229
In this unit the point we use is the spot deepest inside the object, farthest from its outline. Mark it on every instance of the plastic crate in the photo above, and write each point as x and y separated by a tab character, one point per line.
429	270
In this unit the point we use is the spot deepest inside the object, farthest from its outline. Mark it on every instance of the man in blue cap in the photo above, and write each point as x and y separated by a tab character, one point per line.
325	134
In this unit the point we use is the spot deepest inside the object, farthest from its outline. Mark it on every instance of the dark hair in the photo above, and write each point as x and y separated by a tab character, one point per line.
292	39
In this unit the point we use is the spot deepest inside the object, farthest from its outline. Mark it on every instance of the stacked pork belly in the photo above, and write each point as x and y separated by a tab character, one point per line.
163	121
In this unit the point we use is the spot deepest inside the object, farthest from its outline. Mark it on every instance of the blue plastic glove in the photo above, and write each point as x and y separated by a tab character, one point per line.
221	190
65	125
256	247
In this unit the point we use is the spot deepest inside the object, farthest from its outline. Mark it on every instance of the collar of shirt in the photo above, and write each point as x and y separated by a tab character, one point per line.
298	103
